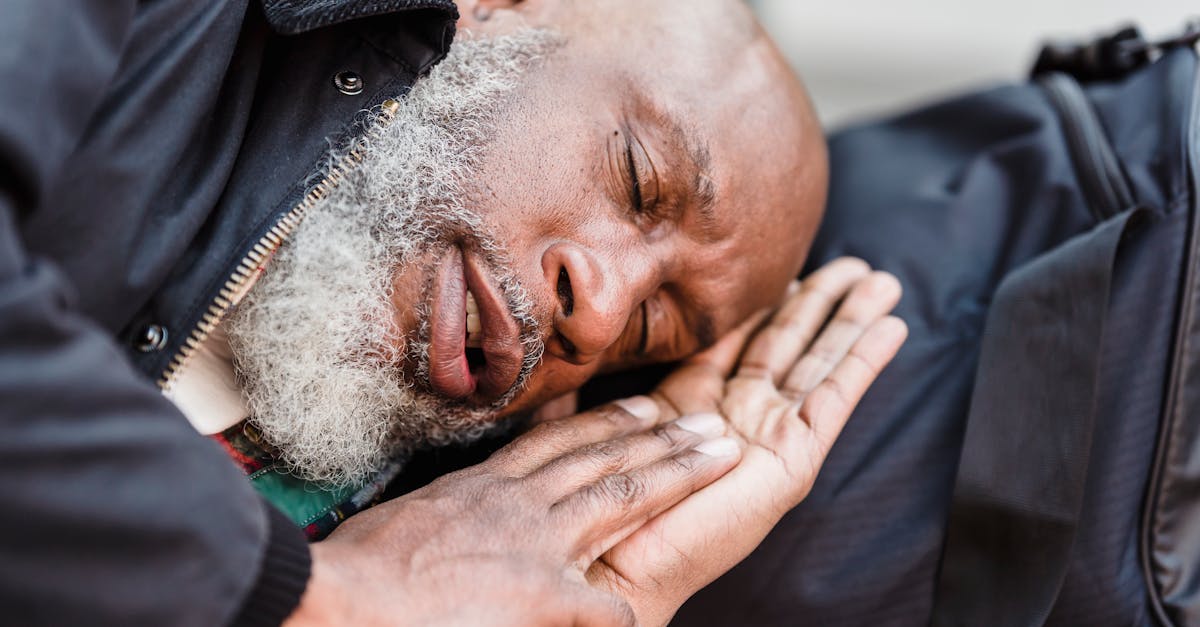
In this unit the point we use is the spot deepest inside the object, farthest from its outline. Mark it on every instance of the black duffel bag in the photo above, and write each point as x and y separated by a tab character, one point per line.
1032	456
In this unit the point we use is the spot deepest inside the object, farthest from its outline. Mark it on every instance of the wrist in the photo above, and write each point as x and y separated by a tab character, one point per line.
321	603
282	577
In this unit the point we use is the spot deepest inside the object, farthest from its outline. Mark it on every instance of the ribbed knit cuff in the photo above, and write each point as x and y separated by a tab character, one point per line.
282	577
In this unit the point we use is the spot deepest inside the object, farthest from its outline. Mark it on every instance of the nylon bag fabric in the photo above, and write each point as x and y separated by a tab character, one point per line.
1030	457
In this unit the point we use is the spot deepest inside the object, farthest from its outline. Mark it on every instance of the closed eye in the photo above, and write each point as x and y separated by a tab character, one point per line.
644	340
635	189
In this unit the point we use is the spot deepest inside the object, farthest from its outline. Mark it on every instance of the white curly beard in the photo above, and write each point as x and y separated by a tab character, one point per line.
315	341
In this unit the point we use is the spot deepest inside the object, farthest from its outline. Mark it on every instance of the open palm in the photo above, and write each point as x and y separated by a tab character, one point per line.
786	389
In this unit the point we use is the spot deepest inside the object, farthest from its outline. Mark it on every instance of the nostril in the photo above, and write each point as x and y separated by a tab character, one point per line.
565	296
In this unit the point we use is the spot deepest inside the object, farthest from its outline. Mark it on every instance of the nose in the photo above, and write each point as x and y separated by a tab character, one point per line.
597	291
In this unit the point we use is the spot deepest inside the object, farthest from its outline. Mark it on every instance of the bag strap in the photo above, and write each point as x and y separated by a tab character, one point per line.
1110	57
1021	478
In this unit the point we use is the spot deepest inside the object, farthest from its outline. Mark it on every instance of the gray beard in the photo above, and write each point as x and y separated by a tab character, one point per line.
315	340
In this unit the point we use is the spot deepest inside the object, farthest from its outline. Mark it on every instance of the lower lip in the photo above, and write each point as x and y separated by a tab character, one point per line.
449	371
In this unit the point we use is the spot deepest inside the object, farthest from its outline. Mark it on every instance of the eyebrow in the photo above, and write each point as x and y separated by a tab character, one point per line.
683	133
704	190
706	206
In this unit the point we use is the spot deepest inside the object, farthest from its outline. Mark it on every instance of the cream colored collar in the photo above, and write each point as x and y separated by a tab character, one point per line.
206	391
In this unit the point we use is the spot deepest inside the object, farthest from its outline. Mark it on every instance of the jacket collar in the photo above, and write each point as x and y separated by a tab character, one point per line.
291	17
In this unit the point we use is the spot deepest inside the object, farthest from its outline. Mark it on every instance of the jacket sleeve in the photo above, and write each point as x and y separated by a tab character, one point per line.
115	511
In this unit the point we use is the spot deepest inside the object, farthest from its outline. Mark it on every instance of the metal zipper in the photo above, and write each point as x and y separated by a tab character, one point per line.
1099	171
266	246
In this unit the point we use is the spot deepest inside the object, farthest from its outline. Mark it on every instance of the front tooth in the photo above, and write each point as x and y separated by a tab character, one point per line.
473	324
472	306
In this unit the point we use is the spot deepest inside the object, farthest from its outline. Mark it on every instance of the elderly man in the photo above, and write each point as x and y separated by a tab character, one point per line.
332	238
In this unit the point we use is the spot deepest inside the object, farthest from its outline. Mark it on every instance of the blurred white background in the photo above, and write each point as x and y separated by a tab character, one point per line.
866	57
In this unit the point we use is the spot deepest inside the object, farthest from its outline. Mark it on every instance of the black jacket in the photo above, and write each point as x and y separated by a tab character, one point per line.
145	150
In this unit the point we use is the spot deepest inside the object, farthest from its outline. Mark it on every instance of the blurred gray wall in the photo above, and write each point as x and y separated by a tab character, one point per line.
866	57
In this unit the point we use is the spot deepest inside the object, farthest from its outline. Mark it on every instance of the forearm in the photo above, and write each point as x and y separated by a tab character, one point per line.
116	511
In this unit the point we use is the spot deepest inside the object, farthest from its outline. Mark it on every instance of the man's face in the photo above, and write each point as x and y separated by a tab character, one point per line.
619	184
651	183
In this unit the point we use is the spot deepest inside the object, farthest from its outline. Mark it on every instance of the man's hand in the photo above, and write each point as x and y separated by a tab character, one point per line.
508	542
786	403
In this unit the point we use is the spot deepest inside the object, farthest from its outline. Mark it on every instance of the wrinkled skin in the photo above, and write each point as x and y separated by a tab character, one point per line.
730	163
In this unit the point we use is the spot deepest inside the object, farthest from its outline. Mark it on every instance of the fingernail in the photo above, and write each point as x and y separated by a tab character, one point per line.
707	425
642	407
720	447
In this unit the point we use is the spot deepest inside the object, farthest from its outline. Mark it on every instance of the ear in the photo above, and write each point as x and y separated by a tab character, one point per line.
475	14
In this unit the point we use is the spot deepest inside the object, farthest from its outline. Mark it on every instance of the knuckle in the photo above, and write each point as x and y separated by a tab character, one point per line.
823	355
607	456
553	432
862	363
791	393
836	391
790	322
750	384
636	409
619	418
803	375
816	290
807	412
685	464
754	370
670	437
825	401
778	326
621	490
849	324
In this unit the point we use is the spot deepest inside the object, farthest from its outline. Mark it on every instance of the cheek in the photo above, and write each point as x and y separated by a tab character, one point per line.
537	211
538	179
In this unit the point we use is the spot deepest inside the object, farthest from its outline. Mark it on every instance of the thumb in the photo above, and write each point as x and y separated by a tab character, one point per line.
723	355
598	608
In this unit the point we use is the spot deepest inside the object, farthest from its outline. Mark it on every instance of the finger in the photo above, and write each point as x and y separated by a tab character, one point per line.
829	405
552	439
777	346
868	301
675	549
591	463
607	511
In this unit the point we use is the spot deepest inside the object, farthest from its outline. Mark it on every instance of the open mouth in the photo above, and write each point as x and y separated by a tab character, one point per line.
475	357
475	352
